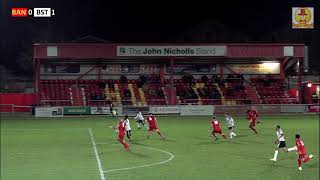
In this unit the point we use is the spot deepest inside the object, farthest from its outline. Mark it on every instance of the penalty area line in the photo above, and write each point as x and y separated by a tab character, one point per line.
145	165
97	155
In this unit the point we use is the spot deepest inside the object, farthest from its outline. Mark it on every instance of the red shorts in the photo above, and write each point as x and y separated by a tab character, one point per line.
121	137
302	157
217	131
153	128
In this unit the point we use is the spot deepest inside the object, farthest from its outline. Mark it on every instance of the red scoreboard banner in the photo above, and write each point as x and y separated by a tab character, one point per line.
19	12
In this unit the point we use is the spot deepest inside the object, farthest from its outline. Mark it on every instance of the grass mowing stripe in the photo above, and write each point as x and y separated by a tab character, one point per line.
97	155
146	165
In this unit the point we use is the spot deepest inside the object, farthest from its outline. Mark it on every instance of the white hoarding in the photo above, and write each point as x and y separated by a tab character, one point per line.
49	112
100	110
204	110
105	110
165	110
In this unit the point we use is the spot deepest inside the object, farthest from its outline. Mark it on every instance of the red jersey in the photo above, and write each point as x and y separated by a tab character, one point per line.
300	147
215	125
122	127
249	115
254	114
152	121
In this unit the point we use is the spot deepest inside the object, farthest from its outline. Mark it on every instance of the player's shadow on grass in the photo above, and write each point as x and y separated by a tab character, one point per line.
243	135
237	142
251	156
312	164
209	141
272	165
135	140
138	143
200	137
170	140
140	155
254	142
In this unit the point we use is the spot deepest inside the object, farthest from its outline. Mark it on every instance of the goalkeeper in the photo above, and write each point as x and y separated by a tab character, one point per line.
112	111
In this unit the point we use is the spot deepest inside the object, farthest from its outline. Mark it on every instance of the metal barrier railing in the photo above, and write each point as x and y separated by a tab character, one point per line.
274	100
125	102
52	102
12	109
214	101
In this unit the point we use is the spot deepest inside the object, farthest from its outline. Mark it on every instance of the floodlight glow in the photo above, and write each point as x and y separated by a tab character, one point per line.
309	85
270	65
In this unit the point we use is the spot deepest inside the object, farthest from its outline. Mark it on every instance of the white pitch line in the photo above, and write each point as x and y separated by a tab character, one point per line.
146	165
97	155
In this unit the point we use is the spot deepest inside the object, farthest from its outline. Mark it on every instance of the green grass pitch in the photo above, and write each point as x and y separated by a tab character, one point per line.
61	149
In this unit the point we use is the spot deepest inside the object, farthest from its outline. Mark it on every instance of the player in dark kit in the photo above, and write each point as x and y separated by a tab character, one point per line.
111	108
153	125
252	121
215	128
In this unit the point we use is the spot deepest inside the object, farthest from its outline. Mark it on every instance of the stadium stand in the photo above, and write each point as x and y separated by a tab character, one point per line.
229	91
54	93
97	92
272	90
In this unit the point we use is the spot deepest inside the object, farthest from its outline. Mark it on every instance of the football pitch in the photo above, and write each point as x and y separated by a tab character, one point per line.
85	148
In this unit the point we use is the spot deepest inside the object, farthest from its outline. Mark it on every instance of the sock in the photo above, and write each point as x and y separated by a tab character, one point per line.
275	154
138	125
224	136
292	149
159	133
234	134
306	159
126	146
253	129
213	135
231	135
299	162
128	135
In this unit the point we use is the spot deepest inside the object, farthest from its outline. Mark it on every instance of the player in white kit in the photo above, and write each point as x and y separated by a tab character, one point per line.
230	123
280	143
128	128
139	120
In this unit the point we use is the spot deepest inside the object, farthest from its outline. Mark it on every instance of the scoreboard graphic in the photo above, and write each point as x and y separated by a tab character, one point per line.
32	12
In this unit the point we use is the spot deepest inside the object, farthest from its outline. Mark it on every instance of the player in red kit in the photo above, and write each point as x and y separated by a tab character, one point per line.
255	114
301	150
252	121
215	128
153	125
122	131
